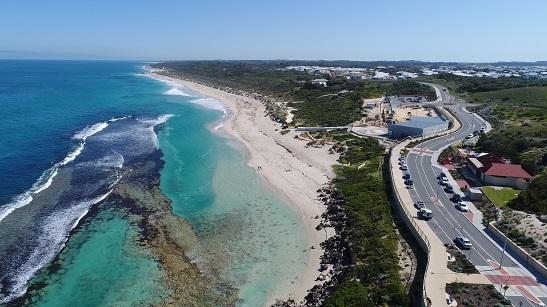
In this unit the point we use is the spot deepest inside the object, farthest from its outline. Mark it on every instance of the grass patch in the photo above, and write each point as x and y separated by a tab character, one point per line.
500	196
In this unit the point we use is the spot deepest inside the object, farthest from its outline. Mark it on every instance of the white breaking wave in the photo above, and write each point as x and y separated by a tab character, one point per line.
57	227
211	103
153	123
89	131
176	92
45	180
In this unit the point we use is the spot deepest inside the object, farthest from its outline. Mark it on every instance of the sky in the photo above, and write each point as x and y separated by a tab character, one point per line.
427	30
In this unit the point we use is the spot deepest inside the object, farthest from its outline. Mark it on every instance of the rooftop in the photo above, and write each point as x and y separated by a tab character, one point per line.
507	170
421	122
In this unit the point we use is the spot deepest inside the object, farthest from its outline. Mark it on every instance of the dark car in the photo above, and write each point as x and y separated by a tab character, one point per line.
463	242
409	182
404	167
406	176
456	197
449	189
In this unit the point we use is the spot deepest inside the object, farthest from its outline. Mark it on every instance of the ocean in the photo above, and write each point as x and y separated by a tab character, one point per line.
100	164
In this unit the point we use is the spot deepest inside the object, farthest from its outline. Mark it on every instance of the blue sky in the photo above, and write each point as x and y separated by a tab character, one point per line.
487	30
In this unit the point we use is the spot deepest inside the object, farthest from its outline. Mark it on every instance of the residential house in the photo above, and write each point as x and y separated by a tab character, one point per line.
492	170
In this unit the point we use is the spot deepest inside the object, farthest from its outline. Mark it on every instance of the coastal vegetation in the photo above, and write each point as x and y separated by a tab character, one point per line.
372	277
409	87
520	135
465	85
476	295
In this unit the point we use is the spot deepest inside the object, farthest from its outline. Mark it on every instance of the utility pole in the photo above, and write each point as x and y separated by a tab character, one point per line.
503	253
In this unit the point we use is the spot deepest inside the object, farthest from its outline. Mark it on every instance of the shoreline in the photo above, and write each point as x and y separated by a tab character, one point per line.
291	169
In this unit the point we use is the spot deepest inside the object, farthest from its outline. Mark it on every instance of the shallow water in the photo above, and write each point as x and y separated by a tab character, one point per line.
103	257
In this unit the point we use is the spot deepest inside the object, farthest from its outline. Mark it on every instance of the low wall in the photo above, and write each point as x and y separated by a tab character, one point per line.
513	247
406	216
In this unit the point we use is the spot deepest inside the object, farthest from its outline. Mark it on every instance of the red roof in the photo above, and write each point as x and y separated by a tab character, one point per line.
488	159
507	170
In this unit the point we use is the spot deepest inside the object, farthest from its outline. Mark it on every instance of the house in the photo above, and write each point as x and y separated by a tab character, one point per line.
494	171
320	82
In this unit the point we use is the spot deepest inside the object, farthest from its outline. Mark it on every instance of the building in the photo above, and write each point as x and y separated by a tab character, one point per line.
417	126
492	170
320	82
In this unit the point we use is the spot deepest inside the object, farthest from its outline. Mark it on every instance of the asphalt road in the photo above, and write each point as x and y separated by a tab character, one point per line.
448	222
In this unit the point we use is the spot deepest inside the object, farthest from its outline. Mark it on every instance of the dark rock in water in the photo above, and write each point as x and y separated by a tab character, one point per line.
168	236
336	250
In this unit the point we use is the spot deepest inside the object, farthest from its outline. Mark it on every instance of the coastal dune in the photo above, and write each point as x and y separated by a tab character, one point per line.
291	168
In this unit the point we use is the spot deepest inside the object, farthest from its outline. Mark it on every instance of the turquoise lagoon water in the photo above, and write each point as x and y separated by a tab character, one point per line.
61	155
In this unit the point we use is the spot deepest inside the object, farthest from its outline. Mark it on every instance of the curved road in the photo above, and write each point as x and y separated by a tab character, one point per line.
448	222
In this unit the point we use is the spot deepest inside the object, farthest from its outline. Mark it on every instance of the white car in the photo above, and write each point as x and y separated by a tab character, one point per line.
469	136
462	207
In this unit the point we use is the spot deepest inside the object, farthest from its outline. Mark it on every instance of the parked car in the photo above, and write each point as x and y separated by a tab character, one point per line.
401	158
470	135
409	182
483	129
456	197
444	180
404	167
476	132
425	214
419	204
462	207
406	176
402	162
448	188
463	242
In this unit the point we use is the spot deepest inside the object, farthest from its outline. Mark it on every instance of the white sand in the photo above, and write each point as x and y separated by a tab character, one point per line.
290	168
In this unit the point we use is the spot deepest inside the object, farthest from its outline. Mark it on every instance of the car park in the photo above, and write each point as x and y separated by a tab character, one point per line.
419	204
462	207
425	214
463	242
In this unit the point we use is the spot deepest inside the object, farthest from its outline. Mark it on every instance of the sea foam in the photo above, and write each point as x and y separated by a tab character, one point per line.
176	92
45	180
57	227
211	103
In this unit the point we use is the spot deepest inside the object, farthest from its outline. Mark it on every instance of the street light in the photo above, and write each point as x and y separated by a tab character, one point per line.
503	253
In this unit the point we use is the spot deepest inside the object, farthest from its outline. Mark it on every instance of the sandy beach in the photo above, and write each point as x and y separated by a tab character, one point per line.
292	169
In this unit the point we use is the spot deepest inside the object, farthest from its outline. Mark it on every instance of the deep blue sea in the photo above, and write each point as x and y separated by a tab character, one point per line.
67	129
